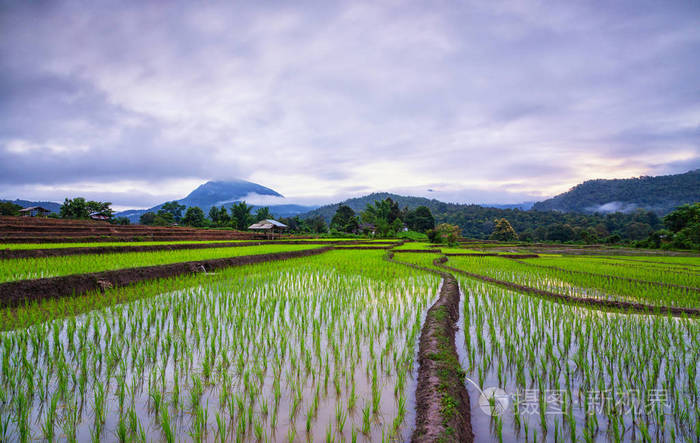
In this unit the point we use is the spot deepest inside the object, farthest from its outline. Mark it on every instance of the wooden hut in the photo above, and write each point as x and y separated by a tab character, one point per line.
269	227
99	216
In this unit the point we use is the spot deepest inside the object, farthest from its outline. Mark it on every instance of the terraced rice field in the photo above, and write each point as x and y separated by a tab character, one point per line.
22	269
21	246
321	347
329	348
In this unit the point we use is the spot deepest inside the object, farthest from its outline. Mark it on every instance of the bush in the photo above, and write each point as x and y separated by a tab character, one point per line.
334	233
448	233
613	239
433	236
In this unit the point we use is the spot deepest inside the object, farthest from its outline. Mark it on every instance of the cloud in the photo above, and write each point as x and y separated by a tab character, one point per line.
500	99
613	207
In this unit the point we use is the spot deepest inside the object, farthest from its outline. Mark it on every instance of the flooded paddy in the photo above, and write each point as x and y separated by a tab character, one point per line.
288	355
560	372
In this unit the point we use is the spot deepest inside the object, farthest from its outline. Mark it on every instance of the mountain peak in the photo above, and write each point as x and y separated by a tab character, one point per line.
215	192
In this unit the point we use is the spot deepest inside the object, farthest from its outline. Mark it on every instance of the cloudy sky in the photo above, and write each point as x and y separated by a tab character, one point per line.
139	102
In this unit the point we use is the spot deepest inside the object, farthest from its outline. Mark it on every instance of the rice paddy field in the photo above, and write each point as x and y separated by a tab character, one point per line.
21	246
326	347
42	267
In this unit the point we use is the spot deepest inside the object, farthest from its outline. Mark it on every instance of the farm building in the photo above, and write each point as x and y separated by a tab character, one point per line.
268	226
34	211
99	216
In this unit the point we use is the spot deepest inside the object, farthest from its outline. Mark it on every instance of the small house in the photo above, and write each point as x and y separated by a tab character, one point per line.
34	211
367	228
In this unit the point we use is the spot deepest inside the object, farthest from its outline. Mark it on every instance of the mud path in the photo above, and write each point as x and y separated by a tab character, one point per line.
442	402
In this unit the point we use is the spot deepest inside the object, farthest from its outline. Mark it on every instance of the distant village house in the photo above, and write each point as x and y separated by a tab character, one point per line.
99	216
34	211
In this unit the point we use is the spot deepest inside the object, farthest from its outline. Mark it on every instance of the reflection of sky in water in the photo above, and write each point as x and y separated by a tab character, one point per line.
240	326
624	354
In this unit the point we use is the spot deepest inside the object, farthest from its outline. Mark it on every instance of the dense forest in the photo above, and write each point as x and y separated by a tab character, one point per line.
660	194
478	221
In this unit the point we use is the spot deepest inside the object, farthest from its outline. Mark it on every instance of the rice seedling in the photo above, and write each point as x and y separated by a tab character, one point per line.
578	374
241	345
16	246
42	267
605	284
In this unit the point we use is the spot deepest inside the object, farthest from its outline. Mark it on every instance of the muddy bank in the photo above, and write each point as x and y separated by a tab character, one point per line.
596	303
17	293
366	247
442	402
466	254
486	254
390	257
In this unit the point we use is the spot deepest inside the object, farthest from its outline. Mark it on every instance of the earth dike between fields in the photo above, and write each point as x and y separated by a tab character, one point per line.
442	401
17	293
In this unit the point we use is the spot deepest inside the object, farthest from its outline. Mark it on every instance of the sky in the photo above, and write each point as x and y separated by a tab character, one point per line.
480	102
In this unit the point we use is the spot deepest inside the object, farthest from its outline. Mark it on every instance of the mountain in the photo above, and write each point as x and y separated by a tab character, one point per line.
52	206
225	193
358	204
477	221
436	206
658	194
216	193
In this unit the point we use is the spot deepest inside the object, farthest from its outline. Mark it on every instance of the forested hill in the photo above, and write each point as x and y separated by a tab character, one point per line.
358	204
659	194
477	221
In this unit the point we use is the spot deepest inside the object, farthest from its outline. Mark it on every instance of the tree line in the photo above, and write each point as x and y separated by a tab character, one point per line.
679	229
383	218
